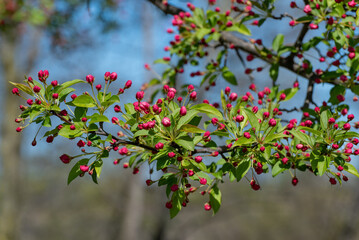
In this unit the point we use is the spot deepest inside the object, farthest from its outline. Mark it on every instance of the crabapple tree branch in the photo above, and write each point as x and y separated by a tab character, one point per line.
189	146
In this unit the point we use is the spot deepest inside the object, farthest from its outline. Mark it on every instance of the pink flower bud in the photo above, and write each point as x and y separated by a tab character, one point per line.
233	97
214	121
159	146
123	151
140	95
346	126
84	168
203	181
65	158
98	87
307	9
227	90
128	84
90	79
183	111
198	159
193	95
247	135
15	91
285	160
55	96
272	122
36	89
113	76
282	96
190	88
166	122
54	83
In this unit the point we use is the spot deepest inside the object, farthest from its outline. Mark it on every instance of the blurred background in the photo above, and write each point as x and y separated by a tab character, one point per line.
73	38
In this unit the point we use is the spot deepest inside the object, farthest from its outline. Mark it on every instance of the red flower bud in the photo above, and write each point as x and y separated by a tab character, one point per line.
90	79
140	95
166	122
198	159
84	168
183	111
65	158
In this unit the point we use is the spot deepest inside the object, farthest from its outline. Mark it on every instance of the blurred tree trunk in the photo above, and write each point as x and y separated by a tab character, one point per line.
10	183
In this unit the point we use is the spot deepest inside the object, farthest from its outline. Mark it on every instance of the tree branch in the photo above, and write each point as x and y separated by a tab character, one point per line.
167	9
286	62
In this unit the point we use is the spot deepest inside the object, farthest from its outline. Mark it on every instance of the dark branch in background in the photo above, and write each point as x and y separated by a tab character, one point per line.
289	110
168	9
280	17
303	32
309	96
61	117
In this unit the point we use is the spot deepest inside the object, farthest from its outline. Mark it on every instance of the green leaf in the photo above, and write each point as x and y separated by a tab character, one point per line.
273	71
301	136
113	99
242	169
186	118
98	167
229	77
63	94
244	30
239	28
68	133
177	199
35	111
322	165
346	136
200	33
98	118
277	168
312	43
47	122
324	117
75	171
278	42
185	142
243	141
161	61
23	88
311	130
334	92
252	118
191	129
55	108
355	88
84	101
142	132
272	137
208	109
215	198
70	83
289	93
351	169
